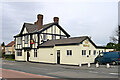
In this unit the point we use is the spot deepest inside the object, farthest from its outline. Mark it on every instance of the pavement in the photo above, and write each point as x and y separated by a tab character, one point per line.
59	71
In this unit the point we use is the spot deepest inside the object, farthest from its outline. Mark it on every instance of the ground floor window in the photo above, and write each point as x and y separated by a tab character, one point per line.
19	52
94	52
35	52
69	52
83	52
89	52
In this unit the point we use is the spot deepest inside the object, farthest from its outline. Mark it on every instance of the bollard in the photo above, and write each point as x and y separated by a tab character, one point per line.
80	65
97	65
88	64
108	65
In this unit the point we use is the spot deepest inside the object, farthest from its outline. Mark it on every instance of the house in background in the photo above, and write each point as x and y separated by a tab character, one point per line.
50	43
2	48
10	48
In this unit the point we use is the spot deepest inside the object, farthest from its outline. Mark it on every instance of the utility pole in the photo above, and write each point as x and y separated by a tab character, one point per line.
119	34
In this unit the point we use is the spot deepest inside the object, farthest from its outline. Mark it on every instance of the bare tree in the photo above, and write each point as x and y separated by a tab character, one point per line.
116	36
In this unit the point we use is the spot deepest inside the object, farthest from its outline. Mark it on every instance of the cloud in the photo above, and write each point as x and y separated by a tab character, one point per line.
97	19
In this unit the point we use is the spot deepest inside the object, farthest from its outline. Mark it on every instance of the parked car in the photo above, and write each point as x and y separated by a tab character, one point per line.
108	57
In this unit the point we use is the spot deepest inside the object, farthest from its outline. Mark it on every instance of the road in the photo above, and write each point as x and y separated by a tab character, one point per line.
62	71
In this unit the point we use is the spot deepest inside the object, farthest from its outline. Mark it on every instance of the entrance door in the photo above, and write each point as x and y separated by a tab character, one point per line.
58	56
28	55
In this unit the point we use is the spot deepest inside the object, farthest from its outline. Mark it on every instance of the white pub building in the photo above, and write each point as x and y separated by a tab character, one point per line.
50	43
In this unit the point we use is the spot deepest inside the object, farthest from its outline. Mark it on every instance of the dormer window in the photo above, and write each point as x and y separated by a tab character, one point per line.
53	37
44	37
26	39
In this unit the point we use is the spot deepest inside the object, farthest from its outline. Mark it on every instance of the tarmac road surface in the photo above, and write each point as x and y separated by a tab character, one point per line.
61	71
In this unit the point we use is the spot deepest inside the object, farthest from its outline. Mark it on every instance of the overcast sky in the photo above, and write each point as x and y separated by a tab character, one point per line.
97	19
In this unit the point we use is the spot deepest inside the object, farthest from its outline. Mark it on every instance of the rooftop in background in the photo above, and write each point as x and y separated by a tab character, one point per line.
10	44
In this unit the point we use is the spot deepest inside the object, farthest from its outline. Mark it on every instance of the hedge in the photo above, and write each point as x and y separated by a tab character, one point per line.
12	56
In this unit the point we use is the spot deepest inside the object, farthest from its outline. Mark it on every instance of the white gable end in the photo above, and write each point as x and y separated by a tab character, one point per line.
25	31
54	30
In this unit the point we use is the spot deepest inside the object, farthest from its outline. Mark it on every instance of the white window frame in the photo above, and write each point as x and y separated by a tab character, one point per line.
94	52
26	39
53	37
19	52
44	37
19	40
69	52
83	52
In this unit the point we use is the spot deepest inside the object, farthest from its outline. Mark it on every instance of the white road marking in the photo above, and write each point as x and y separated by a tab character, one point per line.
114	73
93	72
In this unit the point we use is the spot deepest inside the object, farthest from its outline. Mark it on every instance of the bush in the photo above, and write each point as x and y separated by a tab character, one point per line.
11	56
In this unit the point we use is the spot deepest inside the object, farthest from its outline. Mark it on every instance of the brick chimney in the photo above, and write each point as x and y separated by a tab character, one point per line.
39	21
56	19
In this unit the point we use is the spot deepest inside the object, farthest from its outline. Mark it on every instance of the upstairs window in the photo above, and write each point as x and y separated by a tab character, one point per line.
61	37
69	52
83	52
53	37
44	37
19	40
26	39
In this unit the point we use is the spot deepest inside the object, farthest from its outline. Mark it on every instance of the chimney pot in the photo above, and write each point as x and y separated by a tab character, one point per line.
56	19
39	21
39	16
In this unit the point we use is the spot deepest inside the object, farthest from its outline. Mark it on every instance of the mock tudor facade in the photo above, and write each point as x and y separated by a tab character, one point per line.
50	43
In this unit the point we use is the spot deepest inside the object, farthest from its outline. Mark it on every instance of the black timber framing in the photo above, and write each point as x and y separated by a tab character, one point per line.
67	35
67	44
53	34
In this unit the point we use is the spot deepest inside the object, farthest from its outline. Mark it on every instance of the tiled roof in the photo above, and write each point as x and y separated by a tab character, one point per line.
33	28
30	27
10	44
73	40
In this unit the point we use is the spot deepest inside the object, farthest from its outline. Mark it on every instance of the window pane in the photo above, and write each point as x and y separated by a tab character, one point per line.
89	52
26	39
19	40
44	37
53	37
67	52
19	52
83	52
70	52
94	52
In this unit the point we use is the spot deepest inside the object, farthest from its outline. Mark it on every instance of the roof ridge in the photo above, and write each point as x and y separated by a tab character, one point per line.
10	44
69	38
35	24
